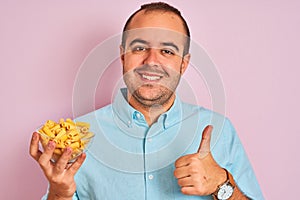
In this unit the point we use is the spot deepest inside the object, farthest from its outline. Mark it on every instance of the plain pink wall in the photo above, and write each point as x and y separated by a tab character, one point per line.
254	44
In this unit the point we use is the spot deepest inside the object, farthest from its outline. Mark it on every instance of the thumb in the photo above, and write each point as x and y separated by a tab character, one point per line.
204	147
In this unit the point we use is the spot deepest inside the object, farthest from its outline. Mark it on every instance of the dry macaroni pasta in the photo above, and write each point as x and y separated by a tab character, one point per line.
66	133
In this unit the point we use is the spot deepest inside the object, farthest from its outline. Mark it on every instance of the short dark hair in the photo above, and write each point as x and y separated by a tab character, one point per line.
164	7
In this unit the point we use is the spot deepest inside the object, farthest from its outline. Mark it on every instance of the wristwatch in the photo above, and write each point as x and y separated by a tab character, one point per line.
225	190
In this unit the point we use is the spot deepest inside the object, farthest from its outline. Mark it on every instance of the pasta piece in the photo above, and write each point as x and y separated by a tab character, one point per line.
60	134
83	124
48	132
61	120
70	121
60	145
57	151
84	129
54	128
50	123
88	135
68	125
74	145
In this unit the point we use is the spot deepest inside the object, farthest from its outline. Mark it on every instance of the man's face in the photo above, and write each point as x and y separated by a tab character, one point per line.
153	57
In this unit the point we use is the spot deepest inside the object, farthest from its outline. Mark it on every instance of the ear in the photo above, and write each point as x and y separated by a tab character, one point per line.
122	52
185	63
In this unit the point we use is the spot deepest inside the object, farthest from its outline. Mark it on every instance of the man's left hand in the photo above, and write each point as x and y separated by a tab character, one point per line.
198	173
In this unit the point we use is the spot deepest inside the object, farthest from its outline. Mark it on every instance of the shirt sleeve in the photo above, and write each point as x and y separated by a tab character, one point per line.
239	165
75	196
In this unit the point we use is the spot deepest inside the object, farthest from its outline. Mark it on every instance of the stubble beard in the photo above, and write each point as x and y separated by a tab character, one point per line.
151	96
162	96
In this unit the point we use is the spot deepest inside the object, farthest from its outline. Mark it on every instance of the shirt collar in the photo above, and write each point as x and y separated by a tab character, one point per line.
133	122
121	107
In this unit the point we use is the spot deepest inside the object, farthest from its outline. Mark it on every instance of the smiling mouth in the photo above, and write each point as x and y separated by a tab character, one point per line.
150	74
151	77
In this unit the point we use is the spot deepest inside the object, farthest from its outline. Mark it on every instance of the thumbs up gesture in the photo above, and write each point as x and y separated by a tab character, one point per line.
198	173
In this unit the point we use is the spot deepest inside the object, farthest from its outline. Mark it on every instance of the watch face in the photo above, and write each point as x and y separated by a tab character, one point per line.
225	192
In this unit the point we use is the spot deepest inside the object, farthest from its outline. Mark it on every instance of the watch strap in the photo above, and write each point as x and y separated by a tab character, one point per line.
229	180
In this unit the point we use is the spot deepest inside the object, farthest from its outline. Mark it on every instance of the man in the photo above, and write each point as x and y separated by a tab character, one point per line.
136	141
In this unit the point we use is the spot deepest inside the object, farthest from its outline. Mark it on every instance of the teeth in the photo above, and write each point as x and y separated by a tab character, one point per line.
151	78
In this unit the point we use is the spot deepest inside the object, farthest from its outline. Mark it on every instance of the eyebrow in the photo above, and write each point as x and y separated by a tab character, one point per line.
138	41
171	44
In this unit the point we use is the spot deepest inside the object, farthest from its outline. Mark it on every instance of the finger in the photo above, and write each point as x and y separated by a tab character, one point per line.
185	182
34	146
77	164
62	162
204	147
181	172
183	161
45	158
189	190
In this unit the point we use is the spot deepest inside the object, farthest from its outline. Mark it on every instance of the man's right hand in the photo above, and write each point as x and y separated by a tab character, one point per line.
60	175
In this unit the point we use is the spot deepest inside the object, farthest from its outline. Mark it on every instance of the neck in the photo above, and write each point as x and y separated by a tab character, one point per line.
152	112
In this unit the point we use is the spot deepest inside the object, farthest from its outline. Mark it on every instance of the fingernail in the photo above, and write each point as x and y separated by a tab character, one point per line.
34	137
68	150
51	145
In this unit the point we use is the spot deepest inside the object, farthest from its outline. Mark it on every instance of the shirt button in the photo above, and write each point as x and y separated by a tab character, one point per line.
149	139
138	115
150	176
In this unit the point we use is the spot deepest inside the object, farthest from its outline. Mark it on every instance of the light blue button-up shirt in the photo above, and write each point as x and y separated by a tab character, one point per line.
129	160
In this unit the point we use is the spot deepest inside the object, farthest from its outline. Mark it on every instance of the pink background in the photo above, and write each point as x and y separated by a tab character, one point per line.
254	44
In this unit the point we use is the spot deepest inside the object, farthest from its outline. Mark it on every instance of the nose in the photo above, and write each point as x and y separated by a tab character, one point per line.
151	57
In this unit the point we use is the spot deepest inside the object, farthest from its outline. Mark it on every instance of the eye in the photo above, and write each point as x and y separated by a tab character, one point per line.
139	49
168	52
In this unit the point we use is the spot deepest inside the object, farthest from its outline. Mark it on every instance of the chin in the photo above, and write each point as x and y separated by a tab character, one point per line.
154	96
